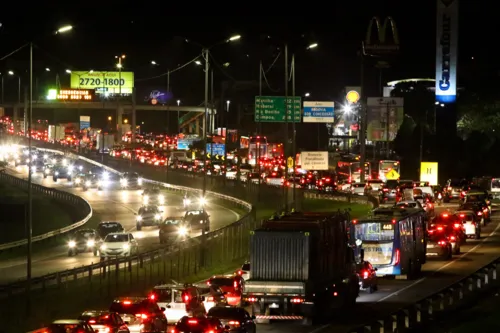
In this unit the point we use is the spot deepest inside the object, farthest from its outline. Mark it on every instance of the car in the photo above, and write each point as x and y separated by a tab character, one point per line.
471	222
367	276
141	314
453	222
357	188
174	229
106	227
153	197
236	320
189	324
118	244
179	301
130	180
37	165
231	285
62	172
214	296
190	202
198	219
478	208
79	179
244	271
388	191
446	231
84	240
438	246
104	321
48	170
149	215
483	199
453	189
69	325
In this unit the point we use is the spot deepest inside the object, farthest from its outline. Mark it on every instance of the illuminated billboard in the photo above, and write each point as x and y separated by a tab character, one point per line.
446	51
103	82
77	95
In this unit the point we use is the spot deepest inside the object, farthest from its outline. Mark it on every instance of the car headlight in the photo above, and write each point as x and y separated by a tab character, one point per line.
47	170
71	243
78	181
161	198
99	183
187	201
45	156
157	216
126	246
139	181
145	198
80	167
64	161
103	247
123	181
105	175
57	173
90	243
88	183
183	231
139	218
203	201
34	157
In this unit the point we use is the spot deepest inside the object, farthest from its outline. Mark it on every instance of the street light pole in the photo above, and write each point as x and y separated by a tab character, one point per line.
30	194
178	117
285	191
206	54
294	148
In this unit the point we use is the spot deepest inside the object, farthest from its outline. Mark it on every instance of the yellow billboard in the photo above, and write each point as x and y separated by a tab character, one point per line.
429	172
103	82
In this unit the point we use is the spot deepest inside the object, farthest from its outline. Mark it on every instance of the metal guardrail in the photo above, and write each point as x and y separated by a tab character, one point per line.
414	316
77	202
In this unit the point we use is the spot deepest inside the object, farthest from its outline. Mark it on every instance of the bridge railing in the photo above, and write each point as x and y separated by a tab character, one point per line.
79	204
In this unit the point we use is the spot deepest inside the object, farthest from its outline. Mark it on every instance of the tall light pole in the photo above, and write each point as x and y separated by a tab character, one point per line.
30	192
178	117
119	65
11	73
206	56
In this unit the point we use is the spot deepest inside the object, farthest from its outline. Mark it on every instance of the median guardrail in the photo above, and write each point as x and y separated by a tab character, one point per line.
80	204
415	316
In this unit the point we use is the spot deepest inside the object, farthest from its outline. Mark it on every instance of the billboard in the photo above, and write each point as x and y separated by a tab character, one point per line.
84	122
314	160
384	112
446	51
103	82
70	95
377	42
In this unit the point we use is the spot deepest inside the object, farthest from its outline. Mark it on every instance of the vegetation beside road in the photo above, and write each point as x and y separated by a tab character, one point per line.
48	214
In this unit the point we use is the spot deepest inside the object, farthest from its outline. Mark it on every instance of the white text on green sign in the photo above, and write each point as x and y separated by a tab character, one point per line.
272	109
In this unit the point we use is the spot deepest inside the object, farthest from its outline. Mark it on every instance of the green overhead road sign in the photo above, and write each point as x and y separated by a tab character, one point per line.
271	109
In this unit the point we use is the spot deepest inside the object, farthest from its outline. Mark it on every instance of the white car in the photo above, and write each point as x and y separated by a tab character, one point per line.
244	271
170	297
471	225
358	188
118	244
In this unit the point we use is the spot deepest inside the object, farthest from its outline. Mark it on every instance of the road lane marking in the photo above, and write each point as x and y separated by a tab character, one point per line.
444	266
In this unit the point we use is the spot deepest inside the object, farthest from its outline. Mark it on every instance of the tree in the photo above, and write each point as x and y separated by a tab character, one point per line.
478	113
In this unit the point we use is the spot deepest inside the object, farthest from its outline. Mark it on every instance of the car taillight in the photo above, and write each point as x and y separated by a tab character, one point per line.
92	321
152	296
479	213
442	243
235	284
457	225
462	215
210	331
452	238
210	299
104	330
252	299
296	300
385	189
192	321
366	274
234	323
142	315
240	272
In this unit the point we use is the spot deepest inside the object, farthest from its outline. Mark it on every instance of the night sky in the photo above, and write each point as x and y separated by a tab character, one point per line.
154	32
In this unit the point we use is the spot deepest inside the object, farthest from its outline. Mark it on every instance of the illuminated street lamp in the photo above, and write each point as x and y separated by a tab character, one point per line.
154	63
178	117
197	62
68	71
47	69
312	46
307	94
64	29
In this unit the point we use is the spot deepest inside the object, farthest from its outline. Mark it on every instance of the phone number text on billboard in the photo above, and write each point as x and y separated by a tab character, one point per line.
110	82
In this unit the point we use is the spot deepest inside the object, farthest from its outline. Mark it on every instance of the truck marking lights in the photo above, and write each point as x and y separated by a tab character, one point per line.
296	300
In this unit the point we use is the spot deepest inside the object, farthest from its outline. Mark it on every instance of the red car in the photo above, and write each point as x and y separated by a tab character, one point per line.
231	285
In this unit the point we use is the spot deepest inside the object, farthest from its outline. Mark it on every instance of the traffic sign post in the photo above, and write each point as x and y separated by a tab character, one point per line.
271	109
216	149
289	162
392	175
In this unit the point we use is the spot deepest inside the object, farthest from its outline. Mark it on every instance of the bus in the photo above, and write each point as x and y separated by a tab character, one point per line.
384	166
490	184
393	240
257	149
351	171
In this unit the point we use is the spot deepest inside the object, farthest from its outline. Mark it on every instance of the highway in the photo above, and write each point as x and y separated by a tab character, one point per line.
394	294
110	205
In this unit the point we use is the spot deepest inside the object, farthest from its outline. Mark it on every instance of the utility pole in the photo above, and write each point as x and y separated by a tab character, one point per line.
294	147
363	120
134	126
206	53
388	127
30	190
258	132
212	119
285	192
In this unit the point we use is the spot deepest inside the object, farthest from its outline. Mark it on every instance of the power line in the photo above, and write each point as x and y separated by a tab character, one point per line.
171	71
14	52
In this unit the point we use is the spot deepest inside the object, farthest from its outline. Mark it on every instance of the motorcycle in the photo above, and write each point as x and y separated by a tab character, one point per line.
439	199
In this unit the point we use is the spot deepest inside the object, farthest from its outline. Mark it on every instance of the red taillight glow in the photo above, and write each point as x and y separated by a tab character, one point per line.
252	299
452	238
393	221
127	302
152	296
354	221
210	299
366	274
235	284
296	300
234	323
240	272
92	321
142	315
445	215
208	283
186	298
385	189
462	215
479	213
442	243
192	321
335	293
440	228
457	225
397	257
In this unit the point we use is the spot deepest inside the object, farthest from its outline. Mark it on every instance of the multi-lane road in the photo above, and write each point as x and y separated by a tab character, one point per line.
111	205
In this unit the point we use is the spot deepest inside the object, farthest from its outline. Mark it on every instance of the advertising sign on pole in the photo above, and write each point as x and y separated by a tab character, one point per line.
271	109
217	149
84	122
446	50
319	112
384	117
314	160
377	43
429	172
103	82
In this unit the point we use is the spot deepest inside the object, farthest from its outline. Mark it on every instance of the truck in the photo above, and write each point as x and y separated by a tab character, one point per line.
302	268
56	133
105	142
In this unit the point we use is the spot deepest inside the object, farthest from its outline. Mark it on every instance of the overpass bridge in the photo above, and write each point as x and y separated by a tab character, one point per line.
191	122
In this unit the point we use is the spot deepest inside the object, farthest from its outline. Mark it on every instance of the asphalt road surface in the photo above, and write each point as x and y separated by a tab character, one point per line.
112	205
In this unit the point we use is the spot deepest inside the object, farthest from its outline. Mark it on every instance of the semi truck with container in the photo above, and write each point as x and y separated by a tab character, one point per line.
302	268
